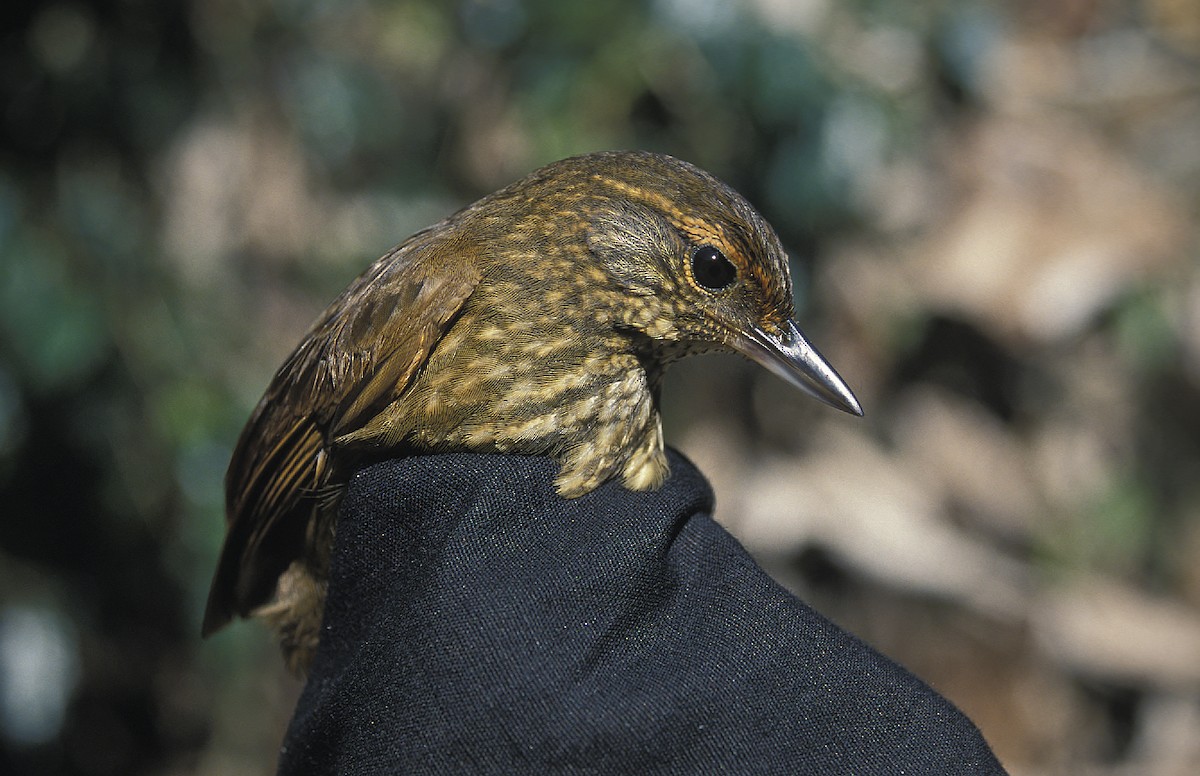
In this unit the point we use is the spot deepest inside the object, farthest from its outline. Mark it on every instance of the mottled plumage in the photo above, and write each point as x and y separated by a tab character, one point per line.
537	320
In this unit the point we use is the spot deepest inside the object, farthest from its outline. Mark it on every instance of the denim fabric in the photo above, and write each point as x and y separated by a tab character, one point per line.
478	623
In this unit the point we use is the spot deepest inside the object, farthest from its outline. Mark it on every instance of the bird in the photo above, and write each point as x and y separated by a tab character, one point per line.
537	321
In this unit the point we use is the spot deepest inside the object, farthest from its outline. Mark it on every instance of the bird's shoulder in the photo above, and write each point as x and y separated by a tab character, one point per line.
361	353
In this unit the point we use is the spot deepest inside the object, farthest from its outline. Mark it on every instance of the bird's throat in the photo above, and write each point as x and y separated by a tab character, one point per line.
595	413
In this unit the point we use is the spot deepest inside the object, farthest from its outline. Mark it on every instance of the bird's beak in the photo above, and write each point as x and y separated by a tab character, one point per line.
790	356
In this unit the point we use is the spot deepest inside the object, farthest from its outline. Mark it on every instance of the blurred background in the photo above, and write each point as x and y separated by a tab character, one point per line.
992	211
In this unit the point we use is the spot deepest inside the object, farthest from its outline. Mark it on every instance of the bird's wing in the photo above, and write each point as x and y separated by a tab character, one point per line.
359	357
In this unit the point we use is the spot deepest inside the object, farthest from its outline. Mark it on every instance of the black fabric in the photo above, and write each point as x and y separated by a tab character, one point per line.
478	623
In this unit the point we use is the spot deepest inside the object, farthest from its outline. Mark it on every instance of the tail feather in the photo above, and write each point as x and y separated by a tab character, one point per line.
269	510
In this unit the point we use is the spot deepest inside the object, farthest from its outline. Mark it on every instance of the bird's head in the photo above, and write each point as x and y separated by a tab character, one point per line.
699	267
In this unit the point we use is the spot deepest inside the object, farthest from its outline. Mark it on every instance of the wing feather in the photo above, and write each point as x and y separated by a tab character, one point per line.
359	357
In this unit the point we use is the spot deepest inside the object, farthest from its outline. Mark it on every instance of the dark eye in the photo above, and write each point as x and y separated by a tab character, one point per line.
711	269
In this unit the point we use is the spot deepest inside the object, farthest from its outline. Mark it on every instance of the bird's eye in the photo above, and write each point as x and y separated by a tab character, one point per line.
711	269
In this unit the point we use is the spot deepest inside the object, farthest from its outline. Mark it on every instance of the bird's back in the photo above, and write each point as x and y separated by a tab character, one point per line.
358	358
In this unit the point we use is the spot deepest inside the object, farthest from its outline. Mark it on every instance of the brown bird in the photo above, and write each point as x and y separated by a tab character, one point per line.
537	321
